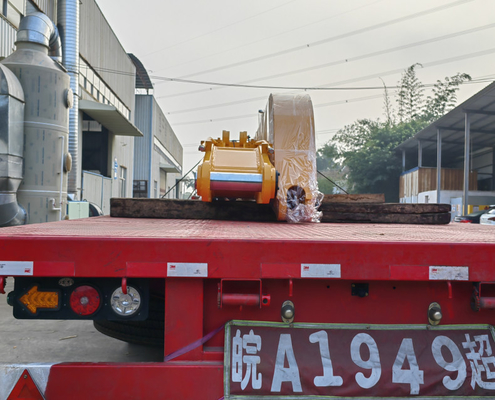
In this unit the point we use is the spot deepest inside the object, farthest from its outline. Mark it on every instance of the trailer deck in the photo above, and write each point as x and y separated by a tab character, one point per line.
213	272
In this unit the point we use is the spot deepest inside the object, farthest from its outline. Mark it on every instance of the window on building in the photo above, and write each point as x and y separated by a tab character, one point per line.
122	181
155	189
140	188
5	4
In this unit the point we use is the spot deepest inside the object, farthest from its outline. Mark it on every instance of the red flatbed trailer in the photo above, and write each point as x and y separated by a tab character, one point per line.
367	286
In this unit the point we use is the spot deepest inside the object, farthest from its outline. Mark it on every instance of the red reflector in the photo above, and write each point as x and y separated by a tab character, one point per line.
85	300
491	219
465	221
25	388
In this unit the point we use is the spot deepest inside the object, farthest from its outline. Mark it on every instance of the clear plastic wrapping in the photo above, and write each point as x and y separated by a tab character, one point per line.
288	124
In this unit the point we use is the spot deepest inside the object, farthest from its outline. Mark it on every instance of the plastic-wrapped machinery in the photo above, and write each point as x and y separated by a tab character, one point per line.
285	143
288	125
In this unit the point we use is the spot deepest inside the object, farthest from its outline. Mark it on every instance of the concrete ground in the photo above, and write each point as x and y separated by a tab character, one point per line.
47	341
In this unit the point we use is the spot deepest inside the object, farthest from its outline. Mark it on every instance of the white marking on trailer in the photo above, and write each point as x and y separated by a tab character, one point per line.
320	270
448	273
16	268
194	270
10	374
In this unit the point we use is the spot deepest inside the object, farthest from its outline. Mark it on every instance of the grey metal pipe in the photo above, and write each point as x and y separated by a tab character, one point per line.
38	28
68	25
11	146
467	162
439	165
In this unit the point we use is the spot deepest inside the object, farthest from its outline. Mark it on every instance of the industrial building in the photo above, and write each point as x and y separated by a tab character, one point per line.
452	160
118	138
158	154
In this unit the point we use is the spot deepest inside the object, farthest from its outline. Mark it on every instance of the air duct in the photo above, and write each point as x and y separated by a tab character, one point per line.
11	146
47	95
68	25
38	28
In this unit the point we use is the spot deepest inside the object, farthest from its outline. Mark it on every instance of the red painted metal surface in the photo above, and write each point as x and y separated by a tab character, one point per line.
487	302
103	381
394	260
233	299
142	247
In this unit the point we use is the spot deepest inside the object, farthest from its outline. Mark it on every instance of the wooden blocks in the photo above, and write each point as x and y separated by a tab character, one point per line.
335	208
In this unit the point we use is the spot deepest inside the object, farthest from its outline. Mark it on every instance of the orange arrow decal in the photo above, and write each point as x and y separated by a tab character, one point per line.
34	299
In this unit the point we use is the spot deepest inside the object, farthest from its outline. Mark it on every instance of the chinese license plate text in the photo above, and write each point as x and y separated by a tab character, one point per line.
309	360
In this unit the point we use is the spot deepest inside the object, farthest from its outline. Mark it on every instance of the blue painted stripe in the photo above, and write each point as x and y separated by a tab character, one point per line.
235	177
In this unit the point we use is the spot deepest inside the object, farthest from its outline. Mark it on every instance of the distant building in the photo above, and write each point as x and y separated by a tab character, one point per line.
158	154
102	128
452	160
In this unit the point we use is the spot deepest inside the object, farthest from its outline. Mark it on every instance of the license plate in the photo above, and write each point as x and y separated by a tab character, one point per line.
281	361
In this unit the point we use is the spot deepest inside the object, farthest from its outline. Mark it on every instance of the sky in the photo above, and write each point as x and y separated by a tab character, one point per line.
345	50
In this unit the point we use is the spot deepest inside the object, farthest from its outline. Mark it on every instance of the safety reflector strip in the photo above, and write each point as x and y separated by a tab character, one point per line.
448	273
25	388
13	384
320	270
16	268
191	270
429	273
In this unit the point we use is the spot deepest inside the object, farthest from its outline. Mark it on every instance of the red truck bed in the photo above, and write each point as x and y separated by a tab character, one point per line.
402	269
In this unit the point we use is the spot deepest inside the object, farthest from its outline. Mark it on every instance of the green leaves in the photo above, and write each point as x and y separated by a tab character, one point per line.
443	96
410	95
365	148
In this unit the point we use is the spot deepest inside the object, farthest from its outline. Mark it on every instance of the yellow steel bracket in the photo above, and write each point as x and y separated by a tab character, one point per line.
236	170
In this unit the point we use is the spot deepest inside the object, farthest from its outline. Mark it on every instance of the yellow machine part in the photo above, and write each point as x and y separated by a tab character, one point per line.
288	124
284	145
236	169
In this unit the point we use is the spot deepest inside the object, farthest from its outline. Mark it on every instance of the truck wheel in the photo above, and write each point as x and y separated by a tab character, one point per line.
150	332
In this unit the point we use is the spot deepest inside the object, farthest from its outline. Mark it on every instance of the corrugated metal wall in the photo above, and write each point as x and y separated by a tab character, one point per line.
48	7
103	51
142	145
7	38
165	134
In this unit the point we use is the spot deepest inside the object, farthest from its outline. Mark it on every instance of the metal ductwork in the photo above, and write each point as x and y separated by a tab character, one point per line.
48	97
11	147
68	25
38	28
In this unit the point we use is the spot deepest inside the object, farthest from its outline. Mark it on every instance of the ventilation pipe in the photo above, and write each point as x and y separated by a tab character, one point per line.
68	25
48	97
11	145
38	28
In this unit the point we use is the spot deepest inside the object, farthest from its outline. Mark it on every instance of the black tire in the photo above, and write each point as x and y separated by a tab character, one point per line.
150	332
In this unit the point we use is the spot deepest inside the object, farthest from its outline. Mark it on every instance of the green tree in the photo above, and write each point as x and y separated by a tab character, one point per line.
366	148
410	95
444	96
327	163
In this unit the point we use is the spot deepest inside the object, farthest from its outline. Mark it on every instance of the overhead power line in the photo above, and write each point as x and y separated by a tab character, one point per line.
219	29
273	36
353	80
245	85
320	66
333	38
253	115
